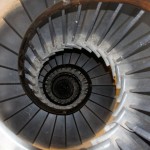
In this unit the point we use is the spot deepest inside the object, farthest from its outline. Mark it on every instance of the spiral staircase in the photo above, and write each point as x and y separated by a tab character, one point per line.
75	74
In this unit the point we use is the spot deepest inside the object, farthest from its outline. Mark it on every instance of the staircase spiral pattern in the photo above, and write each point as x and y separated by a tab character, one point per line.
76	74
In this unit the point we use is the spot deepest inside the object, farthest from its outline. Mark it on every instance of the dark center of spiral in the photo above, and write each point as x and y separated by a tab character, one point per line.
63	86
